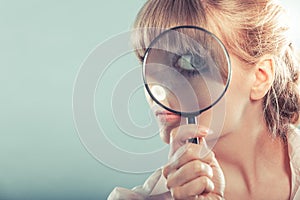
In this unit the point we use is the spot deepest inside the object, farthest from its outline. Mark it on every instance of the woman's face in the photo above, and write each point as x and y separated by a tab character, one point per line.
224	117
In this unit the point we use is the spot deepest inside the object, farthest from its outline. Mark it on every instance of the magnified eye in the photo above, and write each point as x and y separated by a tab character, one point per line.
190	65
185	62
199	63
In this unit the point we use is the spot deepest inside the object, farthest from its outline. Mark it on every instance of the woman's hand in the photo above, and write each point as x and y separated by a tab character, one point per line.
193	171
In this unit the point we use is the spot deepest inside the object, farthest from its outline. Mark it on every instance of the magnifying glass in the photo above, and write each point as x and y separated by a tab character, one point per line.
186	70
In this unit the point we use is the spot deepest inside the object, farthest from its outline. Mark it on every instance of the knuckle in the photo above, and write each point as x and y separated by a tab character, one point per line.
190	152
165	171
168	185
204	181
198	167
210	157
176	193
170	181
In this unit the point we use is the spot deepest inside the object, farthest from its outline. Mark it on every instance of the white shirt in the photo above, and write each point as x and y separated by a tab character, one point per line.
154	187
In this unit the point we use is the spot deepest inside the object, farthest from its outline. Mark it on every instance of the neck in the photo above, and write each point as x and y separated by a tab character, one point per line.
250	145
251	151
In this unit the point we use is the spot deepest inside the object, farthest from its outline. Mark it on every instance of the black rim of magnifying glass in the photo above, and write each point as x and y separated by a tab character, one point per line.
187	114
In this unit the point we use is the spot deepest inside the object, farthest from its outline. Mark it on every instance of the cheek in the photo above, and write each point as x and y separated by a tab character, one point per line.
241	82
164	134
238	93
163	130
236	99
148	98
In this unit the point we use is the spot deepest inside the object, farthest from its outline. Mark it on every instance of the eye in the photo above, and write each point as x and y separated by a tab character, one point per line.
191	64
185	62
199	63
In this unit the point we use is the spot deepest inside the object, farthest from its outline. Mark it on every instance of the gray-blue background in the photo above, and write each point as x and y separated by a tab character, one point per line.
42	45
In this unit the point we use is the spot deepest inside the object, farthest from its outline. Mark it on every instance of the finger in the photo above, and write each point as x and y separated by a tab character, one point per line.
189	172
181	134
187	153
191	189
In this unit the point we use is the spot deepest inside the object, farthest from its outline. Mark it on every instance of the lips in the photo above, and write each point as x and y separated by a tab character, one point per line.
166	116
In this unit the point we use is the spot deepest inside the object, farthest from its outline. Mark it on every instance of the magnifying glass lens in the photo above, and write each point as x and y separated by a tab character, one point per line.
186	70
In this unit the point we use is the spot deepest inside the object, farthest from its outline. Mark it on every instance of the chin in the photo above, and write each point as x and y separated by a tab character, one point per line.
212	138
164	135
165	130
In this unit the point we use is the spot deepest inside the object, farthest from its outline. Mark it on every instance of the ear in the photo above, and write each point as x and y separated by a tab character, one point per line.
264	77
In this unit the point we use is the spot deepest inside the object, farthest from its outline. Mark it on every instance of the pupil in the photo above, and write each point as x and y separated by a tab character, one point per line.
191	62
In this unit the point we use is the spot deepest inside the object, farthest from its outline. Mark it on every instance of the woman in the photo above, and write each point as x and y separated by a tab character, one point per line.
257	154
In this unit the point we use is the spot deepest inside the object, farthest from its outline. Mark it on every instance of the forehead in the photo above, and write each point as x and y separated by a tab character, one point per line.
179	39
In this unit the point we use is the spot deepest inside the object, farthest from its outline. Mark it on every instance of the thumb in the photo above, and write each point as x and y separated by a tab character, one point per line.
179	136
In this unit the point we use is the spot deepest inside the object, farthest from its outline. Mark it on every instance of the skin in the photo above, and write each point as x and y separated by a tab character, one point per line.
244	162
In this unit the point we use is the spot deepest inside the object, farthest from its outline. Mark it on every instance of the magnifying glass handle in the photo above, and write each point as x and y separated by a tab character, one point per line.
192	120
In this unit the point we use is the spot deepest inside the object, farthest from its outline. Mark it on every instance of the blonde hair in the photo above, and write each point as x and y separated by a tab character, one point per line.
250	30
